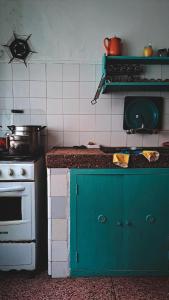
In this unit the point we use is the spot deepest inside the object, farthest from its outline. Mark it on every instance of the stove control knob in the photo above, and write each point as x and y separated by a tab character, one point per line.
10	172
23	172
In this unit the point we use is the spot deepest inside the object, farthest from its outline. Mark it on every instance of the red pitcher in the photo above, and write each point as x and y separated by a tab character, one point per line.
113	45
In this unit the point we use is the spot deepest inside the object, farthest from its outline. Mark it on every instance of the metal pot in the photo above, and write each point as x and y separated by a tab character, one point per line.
24	139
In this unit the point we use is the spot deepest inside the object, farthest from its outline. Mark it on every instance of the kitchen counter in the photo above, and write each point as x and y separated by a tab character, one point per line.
95	158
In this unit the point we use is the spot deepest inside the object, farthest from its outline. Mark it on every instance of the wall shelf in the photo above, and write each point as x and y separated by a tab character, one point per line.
134	86
155	60
123	73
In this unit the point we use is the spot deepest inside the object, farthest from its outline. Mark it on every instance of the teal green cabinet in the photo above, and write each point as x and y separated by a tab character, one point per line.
119	222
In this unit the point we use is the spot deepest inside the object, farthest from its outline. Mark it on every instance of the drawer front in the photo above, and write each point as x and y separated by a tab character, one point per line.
17	256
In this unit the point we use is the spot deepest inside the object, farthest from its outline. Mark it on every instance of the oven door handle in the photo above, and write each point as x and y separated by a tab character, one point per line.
12	189
15	222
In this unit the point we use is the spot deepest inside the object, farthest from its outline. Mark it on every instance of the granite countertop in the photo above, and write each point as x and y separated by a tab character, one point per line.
95	158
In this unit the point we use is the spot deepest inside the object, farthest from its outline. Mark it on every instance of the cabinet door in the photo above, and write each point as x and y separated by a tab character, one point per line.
96	231
146	200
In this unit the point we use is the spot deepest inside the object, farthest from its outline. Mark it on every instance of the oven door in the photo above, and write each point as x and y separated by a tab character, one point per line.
17	211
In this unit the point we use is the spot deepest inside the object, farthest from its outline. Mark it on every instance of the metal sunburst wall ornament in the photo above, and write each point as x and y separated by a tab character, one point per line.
19	48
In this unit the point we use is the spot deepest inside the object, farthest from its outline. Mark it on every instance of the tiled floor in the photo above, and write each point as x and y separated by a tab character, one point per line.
21	286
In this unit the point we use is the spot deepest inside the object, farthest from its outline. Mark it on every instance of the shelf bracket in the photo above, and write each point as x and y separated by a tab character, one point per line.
101	83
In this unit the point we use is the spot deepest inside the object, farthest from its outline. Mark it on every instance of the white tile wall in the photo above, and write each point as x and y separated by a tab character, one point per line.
59	189
21	88
70	138
118	138
6	89
150	140
103	122
58	222
104	107
86	107
38	120
55	122
55	138
86	137
134	140
117	122
59	269
5	105
38	106
20	72
58	205
102	138
87	122
70	106
5	72
54	106
59	251
54	72
71	90
98	72
163	137
20	119
54	89
59	95
71	122
70	72
87	72
87	89
37	72
38	89
117	106
22	103
59	229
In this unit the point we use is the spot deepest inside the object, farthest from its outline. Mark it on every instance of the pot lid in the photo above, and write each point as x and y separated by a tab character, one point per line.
22	128
141	114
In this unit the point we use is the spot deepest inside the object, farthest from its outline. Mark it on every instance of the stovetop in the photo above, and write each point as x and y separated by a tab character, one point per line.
6	156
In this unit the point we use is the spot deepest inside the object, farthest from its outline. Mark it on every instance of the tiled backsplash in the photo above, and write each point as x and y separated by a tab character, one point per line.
58	95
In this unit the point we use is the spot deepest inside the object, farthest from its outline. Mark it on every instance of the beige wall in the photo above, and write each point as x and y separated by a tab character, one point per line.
75	29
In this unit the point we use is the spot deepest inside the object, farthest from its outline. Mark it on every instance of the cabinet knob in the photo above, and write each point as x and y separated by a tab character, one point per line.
150	219
102	219
119	223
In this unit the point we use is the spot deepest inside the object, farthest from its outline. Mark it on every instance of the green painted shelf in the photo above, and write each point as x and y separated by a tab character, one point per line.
135	86
137	59
108	87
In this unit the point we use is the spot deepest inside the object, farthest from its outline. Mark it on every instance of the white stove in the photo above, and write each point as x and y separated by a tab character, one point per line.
22	204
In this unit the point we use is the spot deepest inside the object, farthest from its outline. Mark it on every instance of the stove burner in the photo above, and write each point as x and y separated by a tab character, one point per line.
19	48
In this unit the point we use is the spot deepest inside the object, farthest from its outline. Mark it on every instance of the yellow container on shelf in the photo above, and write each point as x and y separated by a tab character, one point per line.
148	50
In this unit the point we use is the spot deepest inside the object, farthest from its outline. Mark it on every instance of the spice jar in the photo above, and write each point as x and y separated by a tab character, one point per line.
148	50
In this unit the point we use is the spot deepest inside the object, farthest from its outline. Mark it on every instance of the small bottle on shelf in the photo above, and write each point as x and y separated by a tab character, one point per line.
148	50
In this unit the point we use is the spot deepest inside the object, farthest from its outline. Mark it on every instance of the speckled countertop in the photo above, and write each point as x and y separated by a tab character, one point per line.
95	158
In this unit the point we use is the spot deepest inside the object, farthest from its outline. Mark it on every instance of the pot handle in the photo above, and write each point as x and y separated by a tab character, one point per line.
106	43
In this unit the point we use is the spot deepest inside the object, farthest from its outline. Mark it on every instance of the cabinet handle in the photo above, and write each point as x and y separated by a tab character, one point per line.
150	219
119	223
128	223
102	219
